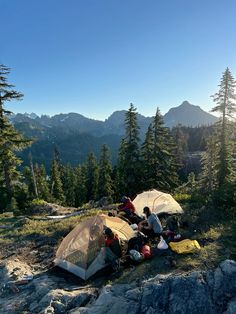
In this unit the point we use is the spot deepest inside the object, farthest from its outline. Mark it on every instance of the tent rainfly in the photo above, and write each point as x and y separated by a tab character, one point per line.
81	251
158	202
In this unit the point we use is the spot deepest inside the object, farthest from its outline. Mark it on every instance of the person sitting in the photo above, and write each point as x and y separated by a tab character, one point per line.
151	226
113	248
127	207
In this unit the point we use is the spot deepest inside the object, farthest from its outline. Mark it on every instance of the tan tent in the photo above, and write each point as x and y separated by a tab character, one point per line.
81	251
157	201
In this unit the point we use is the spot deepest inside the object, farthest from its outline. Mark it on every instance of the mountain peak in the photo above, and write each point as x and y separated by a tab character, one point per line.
31	115
188	115
185	103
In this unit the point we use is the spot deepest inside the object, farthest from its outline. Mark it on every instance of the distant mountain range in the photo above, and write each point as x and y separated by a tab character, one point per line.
186	114
75	135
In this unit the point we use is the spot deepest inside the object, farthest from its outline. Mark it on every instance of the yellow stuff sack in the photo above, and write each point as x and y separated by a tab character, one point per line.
185	246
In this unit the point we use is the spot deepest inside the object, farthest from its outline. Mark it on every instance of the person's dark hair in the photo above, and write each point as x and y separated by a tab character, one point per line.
109	233
124	199
147	211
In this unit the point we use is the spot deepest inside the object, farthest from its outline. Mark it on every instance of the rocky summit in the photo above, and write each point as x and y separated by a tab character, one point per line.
210	292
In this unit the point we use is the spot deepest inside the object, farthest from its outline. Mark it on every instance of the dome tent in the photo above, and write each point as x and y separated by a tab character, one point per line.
158	202
81	250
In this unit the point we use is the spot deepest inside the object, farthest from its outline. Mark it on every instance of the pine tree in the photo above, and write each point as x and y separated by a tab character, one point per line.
172	165
91	177
42	182
226	106
129	163
10	140
181	150
148	181
164	162
119	171
28	179
69	184
56	183
33	177
80	185
105	184
208	178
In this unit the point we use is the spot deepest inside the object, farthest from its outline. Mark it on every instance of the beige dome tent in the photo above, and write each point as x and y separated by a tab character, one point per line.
81	250
157	201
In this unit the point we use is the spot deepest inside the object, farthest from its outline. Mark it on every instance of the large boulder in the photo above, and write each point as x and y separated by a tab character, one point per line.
39	294
196	293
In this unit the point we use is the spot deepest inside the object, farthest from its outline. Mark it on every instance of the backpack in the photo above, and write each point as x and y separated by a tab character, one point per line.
137	242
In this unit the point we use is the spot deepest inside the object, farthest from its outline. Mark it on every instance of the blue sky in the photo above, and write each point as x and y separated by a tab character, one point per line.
96	56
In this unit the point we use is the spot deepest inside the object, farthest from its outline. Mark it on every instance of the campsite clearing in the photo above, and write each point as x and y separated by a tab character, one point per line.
35	242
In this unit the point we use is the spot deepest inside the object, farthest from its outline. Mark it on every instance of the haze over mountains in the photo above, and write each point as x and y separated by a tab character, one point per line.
75	135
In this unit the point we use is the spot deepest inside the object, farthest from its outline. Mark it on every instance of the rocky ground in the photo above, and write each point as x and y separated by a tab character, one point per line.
200	292
30	284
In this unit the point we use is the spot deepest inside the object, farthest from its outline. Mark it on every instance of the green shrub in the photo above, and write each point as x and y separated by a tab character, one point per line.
36	202
182	197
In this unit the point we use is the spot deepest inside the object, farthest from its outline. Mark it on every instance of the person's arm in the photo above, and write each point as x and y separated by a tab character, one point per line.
141	225
143	222
149	226
130	206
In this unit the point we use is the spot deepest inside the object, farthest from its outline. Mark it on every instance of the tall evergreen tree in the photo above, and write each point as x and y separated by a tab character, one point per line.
120	184
164	162
56	183
80	185
147	160
181	150
33	176
42	182
27	173
105	184
130	165
208	178
225	100
91	177
172	165
36	175
10	140
68	178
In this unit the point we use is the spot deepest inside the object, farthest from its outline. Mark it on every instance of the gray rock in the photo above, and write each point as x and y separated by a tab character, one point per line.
133	294
231	307
155	297
199	292
190	295
81	310
196	293
58	307
33	306
119	289
112	301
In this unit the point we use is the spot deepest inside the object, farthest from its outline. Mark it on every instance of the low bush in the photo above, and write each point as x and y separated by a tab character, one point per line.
182	197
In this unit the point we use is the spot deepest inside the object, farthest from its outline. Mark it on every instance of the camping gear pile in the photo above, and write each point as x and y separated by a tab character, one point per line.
82	251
